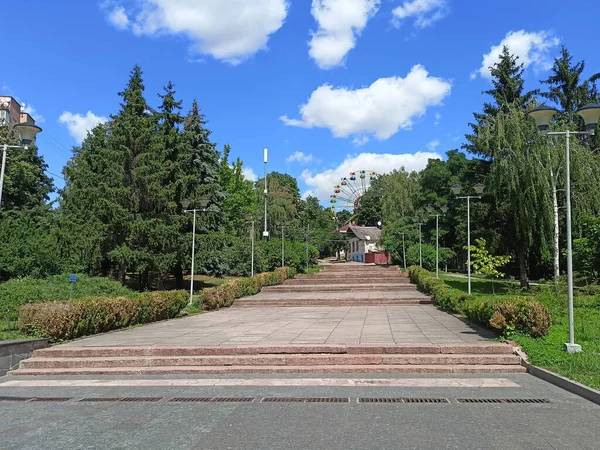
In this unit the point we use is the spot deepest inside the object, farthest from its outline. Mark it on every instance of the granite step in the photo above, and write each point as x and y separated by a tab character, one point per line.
296	360
339	287
486	348
349	280
247	303
325	369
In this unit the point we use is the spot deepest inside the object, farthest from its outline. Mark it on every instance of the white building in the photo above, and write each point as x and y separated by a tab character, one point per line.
363	240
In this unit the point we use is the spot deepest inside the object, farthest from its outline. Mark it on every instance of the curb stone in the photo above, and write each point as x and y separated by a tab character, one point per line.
571	386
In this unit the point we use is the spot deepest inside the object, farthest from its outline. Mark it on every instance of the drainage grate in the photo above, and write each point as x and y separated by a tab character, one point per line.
283	400
141	399
15	399
52	399
504	400
190	399
402	400
305	400
232	400
211	399
328	400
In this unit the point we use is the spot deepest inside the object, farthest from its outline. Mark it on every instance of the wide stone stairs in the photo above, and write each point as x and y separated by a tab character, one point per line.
341	285
302	359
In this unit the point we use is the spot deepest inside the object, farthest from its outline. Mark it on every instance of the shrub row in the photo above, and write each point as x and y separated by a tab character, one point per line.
68	320
506	314
22	291
224	295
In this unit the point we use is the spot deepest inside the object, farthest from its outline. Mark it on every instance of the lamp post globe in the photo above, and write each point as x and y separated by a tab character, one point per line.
543	115
456	189
591	116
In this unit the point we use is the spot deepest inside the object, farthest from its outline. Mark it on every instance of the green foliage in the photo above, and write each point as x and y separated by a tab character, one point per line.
70	320
224	295
29	245
21	291
521	314
26	185
486	264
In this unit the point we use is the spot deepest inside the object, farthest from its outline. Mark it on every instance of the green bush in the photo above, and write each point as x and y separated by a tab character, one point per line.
18	292
68	320
224	295
513	314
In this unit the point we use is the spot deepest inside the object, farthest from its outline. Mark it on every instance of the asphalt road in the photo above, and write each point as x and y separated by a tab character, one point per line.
567	422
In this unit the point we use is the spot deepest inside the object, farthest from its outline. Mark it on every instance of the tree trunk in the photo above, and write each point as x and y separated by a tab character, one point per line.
523	268
178	277
122	273
556	260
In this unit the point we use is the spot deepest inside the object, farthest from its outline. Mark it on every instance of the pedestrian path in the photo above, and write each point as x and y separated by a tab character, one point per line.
284	331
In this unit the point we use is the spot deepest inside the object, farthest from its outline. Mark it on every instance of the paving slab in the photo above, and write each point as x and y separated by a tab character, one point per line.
423	324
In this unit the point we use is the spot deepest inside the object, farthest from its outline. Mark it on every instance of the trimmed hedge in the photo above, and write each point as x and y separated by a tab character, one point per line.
506	314
22	291
68	320
224	295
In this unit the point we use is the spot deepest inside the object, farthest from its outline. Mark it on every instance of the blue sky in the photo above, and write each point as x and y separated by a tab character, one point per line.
328	87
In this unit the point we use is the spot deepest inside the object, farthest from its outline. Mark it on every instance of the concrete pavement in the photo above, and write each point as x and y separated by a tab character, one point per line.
423	324
567	422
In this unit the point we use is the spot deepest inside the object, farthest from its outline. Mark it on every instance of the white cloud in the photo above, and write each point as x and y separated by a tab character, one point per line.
359	141
381	109
228	30
79	125
249	174
438	117
308	193
424	12
340	23
299	157
30	109
118	17
433	144
531	48
321	184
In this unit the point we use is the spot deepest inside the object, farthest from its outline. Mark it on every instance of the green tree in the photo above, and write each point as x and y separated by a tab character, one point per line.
240	197
568	89
486	264
26	184
508	91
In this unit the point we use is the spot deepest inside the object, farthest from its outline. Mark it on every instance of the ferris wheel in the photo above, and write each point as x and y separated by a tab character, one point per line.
347	194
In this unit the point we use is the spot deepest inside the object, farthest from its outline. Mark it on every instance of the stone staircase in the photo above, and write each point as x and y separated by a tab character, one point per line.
341	285
298	359
337	285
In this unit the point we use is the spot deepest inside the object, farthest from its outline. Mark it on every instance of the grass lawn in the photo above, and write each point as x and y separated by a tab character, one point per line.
479	287
548	351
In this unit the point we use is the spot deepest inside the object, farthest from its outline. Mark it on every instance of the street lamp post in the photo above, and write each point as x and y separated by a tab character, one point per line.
5	148
431	210
307	233
266	157
282	246
456	190
591	115
404	251
203	204
250	218
420	224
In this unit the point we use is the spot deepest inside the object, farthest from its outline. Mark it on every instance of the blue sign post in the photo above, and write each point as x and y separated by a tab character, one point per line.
72	280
